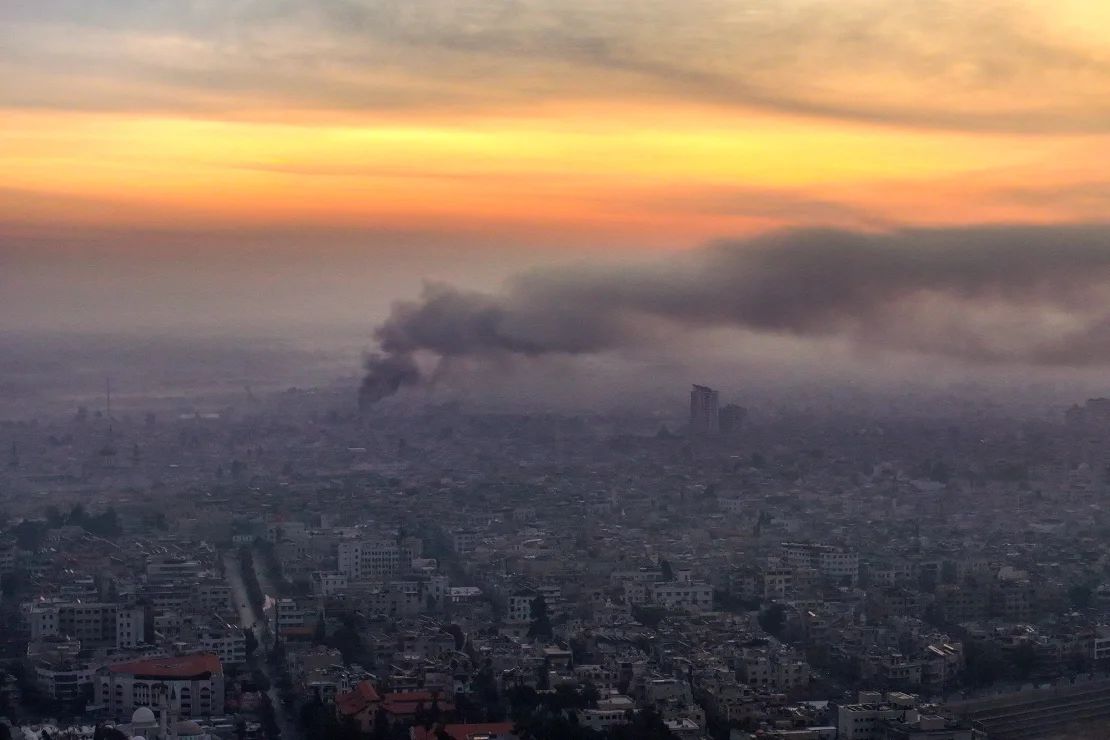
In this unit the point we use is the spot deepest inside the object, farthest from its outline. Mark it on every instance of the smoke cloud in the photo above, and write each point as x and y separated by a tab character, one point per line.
1031	295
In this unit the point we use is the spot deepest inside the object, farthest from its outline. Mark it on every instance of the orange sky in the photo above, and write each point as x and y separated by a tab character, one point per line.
654	124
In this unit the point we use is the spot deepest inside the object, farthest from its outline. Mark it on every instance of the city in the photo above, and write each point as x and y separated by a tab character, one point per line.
284	568
555	370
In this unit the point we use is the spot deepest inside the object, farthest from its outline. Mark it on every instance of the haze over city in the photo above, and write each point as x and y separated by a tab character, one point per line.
291	169
554	370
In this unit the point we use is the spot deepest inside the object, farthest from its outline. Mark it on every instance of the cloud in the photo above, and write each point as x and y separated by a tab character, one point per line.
1001	66
1026	295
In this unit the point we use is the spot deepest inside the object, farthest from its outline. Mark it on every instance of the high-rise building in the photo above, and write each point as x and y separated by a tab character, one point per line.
703	410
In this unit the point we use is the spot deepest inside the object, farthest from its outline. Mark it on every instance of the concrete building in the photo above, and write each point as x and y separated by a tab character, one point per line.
868	718
367	559
94	624
194	682
704	413
678	595
831	562
519	608
327	583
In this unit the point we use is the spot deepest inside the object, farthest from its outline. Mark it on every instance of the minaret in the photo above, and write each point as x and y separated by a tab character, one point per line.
163	720
175	712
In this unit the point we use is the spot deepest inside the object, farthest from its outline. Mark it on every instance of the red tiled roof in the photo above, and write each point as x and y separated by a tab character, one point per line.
183	666
465	731
406	702
355	702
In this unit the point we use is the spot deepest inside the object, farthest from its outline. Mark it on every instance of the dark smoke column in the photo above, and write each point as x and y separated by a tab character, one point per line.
385	375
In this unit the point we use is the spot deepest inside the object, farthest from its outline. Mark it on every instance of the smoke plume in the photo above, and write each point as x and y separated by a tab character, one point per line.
1034	295
385	375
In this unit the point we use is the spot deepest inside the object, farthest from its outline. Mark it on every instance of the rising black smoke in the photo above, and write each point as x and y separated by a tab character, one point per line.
1038	295
385	375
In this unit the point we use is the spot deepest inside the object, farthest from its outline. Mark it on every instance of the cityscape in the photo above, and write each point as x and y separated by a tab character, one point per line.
555	370
286	566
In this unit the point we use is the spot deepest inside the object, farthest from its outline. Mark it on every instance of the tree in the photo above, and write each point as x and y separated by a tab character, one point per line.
277	653
1025	660
311	717
772	619
984	662
77	515
666	569
381	724
456	631
541	622
1080	596
29	535
54	516
11	584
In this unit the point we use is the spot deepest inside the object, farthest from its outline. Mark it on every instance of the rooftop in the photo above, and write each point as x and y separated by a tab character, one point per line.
184	666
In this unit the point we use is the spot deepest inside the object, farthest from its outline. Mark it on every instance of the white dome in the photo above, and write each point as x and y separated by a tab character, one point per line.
137	737
143	716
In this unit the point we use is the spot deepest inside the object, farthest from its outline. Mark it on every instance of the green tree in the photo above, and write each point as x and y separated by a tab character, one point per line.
541	622
1025	660
1080	596
773	619
666	569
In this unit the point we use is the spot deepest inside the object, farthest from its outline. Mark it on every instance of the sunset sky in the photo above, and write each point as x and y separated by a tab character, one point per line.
503	130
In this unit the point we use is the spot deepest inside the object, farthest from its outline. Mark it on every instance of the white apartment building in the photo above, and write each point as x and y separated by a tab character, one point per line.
326	583
774	673
230	645
464	541
173	569
289	615
678	595
366	559
866	720
519	609
94	624
7	556
212	597
829	561
63	683
130	627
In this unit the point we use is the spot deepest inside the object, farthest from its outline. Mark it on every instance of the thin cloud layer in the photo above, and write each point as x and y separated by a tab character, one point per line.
1008	65
1009	295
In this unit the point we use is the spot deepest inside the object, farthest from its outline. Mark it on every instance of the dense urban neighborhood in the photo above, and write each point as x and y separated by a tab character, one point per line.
282	566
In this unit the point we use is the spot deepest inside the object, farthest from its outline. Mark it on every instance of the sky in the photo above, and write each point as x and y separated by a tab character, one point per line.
205	162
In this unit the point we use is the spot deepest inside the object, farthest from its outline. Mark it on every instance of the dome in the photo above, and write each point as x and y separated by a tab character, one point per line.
143	716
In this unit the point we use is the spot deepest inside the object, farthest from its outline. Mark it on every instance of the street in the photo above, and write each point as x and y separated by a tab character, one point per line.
249	619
